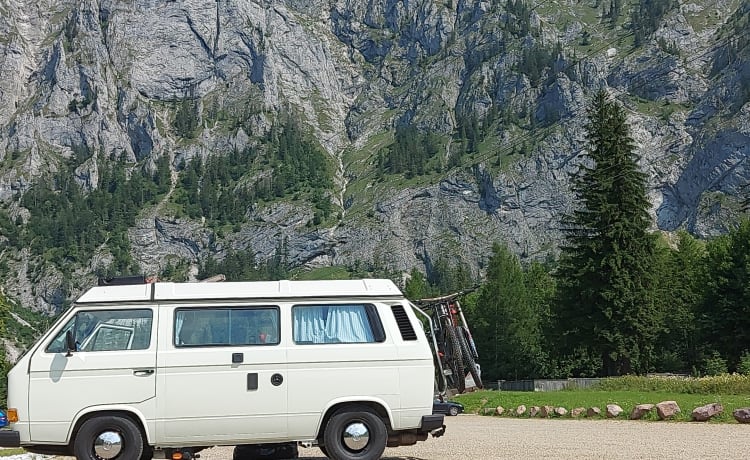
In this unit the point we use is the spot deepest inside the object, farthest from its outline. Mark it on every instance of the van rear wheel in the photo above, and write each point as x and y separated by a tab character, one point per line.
108	438
355	434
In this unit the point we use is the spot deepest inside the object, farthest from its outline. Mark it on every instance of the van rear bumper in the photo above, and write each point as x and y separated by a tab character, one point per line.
431	423
9	438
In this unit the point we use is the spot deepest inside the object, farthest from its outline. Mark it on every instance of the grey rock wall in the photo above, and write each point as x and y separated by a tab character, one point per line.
104	77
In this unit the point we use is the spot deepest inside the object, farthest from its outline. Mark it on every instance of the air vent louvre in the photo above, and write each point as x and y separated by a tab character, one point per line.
404	325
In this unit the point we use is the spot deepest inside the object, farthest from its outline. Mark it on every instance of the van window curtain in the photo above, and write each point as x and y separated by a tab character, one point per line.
348	324
310	324
332	324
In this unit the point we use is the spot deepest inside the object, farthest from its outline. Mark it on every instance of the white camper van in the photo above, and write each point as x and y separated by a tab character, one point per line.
164	370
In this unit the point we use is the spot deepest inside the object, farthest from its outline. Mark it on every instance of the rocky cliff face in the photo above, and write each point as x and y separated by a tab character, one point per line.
102	80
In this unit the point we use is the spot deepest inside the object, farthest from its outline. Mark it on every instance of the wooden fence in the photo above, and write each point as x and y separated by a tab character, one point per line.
545	384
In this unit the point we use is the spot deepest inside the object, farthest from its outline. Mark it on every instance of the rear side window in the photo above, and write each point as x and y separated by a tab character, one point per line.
106	330
200	327
354	323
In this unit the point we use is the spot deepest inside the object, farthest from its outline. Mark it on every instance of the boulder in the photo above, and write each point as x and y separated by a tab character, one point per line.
613	410
742	415
640	410
546	411
520	410
704	413
499	410
534	411
577	412
593	412
561	411
667	409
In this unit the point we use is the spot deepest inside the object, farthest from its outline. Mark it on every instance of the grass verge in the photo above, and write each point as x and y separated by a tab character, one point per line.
478	401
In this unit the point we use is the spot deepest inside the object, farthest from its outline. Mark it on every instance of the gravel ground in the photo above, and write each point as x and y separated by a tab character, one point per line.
488	438
492	438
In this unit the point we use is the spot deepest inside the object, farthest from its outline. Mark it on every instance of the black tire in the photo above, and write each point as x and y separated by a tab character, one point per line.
280	451
148	453
453	411
455	359
122	428
469	360
323	449
335	444
470	343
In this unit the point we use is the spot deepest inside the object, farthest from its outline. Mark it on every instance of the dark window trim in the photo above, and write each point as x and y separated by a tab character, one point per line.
234	307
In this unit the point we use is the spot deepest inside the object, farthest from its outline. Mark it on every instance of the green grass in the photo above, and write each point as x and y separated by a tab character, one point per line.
477	401
12	451
731	390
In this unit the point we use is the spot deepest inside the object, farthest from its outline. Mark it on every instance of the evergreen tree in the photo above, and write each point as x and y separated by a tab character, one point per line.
416	286
505	325
681	278
725	312
540	293
605	274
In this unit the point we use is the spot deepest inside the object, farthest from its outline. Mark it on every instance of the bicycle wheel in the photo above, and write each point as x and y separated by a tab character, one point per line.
470	341
454	357
469	359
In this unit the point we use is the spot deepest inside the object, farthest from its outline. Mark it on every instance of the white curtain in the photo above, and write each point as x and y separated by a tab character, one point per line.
310	324
332	324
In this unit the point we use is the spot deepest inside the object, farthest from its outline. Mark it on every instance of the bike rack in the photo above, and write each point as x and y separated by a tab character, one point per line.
433	303
440	391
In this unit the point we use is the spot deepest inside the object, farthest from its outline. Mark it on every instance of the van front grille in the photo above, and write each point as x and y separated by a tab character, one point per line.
404	325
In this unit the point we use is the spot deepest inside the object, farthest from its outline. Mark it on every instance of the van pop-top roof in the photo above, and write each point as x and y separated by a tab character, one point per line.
240	290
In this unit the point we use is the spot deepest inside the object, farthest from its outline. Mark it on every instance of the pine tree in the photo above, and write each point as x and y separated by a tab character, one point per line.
505	324
681	288
606	274
725	313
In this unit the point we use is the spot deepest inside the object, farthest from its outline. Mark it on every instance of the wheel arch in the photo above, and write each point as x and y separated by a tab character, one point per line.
92	412
379	407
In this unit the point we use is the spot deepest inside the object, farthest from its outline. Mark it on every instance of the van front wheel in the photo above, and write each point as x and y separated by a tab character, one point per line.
108	438
355	435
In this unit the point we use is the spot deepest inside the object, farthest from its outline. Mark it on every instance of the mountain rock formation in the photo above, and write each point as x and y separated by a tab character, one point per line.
87	83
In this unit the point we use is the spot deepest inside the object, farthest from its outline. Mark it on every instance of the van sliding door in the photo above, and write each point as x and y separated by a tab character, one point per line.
222	376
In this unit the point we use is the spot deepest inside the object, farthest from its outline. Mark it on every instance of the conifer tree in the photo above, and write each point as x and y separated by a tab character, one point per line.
506	324
682	278
606	270
725	312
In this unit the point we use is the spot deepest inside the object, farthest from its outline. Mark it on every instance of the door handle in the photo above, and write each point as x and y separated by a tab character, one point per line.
143	372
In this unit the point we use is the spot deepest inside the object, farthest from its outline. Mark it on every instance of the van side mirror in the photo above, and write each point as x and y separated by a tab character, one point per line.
70	343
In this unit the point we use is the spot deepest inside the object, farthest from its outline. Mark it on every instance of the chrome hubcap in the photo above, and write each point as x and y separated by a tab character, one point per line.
108	445
356	436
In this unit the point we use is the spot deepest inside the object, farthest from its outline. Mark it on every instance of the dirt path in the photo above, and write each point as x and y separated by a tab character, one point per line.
488	438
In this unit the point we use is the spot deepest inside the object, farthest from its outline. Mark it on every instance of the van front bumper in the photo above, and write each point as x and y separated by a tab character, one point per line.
9	438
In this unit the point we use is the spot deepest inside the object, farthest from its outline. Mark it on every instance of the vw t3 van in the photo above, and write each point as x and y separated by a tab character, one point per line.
164	370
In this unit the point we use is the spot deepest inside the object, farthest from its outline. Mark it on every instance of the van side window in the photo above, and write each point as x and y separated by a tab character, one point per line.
107	330
201	327
357	323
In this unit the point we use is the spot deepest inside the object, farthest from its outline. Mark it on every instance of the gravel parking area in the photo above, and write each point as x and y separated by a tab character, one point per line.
490	438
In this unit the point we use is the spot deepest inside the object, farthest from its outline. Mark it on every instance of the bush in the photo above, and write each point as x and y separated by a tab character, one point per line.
718	384
714	365
744	365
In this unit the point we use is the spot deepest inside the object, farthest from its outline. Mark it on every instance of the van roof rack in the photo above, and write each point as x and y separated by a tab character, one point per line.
122	280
